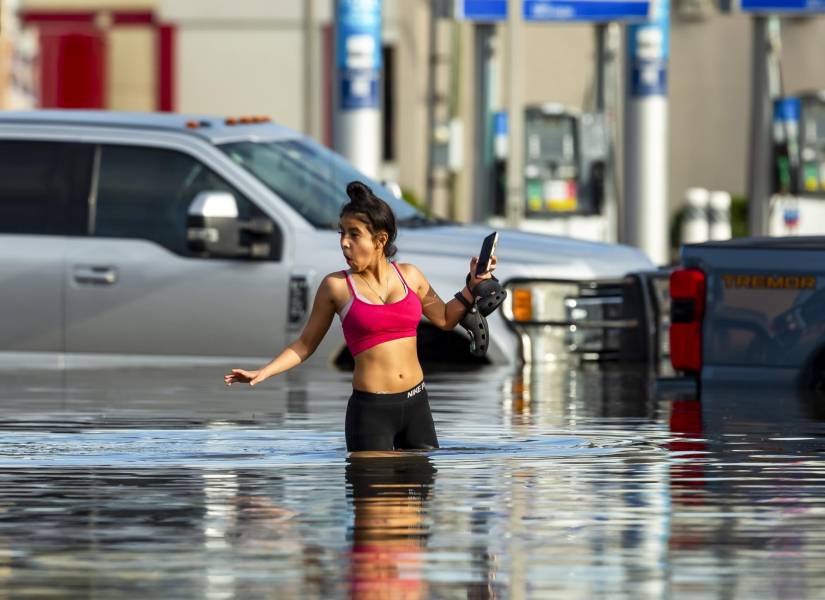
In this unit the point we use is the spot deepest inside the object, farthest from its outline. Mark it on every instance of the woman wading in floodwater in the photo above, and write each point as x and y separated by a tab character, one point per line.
380	303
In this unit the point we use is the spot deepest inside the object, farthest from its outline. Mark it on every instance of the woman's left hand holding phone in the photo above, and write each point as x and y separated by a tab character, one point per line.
474	281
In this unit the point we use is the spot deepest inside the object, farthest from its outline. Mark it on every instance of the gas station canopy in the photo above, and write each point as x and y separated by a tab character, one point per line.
586	10
798	7
559	10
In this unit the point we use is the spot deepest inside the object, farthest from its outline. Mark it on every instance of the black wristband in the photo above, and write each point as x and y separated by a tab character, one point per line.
460	297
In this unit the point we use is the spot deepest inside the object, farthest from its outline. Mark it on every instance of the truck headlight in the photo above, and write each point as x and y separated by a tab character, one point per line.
537	302
562	317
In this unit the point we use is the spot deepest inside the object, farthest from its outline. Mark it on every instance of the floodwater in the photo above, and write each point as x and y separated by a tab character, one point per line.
557	482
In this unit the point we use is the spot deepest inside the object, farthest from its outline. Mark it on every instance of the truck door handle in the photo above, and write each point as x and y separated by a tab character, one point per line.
97	275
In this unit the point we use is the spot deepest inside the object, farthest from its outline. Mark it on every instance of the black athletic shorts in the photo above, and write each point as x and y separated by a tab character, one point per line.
400	421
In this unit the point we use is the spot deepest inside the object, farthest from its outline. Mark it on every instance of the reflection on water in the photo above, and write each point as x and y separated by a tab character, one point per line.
746	483
553	482
390	525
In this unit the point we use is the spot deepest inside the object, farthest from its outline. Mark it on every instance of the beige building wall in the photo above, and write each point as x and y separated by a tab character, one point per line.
407	23
559	63
245	58
803	54
5	54
709	104
130	63
68	5
240	70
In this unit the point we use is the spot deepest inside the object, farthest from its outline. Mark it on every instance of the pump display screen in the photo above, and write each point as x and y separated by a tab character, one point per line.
552	138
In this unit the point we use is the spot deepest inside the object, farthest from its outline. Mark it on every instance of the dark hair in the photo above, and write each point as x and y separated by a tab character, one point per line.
373	212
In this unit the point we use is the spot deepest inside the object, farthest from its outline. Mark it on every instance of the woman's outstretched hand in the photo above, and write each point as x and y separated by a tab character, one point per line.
241	376
476	280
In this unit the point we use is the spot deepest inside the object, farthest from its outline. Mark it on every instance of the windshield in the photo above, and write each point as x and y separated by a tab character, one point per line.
310	178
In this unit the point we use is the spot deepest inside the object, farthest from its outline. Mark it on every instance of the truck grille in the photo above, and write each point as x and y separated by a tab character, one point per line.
596	320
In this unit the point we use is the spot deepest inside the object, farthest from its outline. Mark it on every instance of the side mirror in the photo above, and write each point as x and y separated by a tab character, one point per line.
213	228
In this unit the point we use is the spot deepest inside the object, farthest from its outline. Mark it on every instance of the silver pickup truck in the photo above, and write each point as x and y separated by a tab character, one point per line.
148	236
751	310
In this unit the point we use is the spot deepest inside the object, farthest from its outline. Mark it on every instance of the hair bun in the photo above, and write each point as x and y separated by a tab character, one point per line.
359	192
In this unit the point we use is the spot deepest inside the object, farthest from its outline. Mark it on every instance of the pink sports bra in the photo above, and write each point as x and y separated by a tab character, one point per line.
366	324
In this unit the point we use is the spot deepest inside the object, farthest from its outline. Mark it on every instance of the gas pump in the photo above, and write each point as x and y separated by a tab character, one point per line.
798	205
812	145
564	164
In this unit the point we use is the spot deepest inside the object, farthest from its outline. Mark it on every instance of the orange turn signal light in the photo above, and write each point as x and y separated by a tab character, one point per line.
522	304
247	120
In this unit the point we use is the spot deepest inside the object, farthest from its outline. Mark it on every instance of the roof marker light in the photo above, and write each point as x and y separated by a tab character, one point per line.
247	120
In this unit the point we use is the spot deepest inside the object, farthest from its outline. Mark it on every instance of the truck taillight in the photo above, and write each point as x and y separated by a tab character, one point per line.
687	307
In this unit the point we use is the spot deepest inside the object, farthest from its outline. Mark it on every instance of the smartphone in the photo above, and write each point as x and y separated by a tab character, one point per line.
485	257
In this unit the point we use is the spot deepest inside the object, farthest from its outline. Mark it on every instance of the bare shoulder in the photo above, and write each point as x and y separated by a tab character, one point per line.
335	278
334	285
412	274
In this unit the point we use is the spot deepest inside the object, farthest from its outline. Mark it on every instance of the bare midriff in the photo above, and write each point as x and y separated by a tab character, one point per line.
389	368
